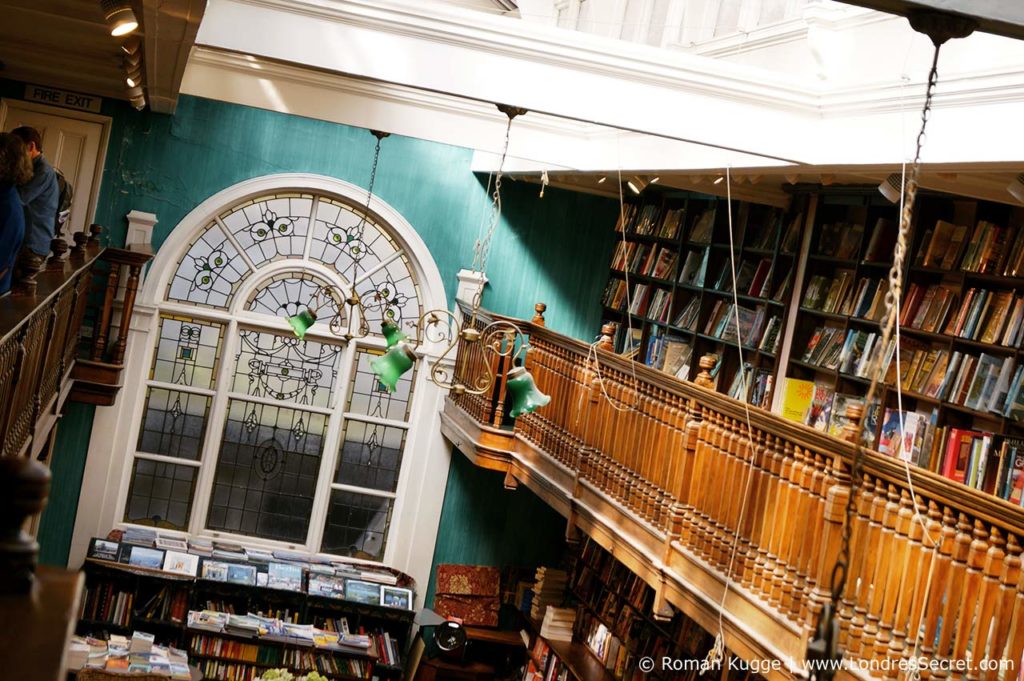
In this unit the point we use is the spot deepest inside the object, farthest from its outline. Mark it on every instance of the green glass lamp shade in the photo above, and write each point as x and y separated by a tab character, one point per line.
390	366
525	395
301	322
392	334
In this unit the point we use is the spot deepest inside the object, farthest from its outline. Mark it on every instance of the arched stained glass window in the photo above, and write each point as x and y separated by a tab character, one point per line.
249	432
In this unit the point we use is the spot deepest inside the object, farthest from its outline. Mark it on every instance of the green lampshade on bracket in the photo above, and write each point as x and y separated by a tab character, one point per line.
301	322
393	364
526	397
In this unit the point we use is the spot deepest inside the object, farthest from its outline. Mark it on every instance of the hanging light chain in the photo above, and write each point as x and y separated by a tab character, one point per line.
482	249
839	572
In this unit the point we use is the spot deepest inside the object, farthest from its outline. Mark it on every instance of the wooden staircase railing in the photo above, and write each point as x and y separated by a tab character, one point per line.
692	495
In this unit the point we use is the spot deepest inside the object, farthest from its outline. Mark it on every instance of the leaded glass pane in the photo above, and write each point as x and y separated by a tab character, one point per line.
161	494
187	352
266	471
271	227
391	294
285	295
285	368
346	243
371	456
174	423
357	525
369	398
209	272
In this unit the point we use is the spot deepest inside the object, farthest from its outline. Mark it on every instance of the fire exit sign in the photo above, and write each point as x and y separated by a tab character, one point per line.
64	98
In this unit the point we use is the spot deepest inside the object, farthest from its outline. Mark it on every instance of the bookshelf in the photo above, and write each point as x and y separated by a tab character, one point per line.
961	334
673	261
120	598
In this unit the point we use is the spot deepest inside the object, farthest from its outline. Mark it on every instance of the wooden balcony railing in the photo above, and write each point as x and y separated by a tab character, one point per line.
677	483
39	343
97	373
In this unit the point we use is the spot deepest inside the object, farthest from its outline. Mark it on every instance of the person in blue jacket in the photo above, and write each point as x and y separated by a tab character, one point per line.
40	195
15	170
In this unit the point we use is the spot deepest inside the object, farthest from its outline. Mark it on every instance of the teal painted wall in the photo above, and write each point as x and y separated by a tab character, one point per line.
67	467
554	249
482	523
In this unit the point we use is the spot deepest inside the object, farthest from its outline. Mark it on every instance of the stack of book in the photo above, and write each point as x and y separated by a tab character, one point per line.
558	623
548	589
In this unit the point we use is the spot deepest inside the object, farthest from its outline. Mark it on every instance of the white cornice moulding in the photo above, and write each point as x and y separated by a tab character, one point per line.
747	112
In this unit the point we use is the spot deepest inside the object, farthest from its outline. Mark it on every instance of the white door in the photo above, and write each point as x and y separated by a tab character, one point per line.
72	141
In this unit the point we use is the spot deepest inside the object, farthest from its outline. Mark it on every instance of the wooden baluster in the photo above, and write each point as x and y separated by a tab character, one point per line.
719	501
748	502
993	567
806	532
766	558
1015	647
912	582
864	625
688	474
737	495
972	587
786	518
102	330
957	577
814	525
755	511
944	533
700	490
1002	616
851	611
837	492
888	513
898	516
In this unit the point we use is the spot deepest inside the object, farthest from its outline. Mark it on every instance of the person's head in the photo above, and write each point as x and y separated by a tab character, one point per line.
15	165
32	140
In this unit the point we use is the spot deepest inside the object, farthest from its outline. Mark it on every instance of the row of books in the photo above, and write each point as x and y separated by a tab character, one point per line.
166	605
995	317
753	326
650	220
820	407
978	459
837	295
765	238
606	646
121	656
669	353
990	249
751	279
650	261
752	384
262	628
544	665
844	240
105	602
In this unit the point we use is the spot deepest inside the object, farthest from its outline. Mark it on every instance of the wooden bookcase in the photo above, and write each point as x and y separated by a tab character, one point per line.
932	352
158	602
686	301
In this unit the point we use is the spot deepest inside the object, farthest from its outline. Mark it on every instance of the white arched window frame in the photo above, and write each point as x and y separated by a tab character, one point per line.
420	484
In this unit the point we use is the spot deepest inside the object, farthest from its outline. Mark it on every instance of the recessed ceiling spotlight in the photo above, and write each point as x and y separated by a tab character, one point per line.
131	45
718	180
602	179
637	184
654	180
119	16
892	187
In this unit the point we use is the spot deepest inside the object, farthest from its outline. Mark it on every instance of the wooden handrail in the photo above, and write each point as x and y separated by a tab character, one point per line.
40	333
760	502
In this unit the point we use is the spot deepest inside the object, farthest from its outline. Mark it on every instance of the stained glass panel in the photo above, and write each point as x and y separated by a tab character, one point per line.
187	352
285	295
351	248
271	227
391	294
369	398
285	368
357	525
371	456
209	272
266	471
161	494
174	423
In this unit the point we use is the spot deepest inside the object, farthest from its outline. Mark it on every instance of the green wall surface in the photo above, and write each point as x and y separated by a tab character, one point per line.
482	523
553	250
